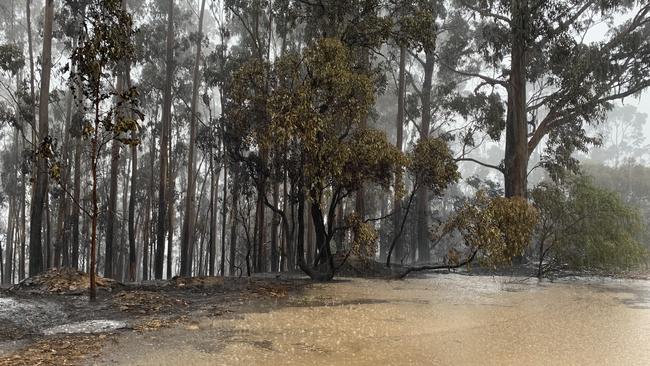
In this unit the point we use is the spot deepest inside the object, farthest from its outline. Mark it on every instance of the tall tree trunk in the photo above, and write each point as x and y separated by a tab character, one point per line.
62	241
8	268
399	142
274	230
516	155
49	253
40	189
76	212
149	210
224	213
112	207
171	215
422	203
187	237
166	120
212	231
233	220
23	231
132	203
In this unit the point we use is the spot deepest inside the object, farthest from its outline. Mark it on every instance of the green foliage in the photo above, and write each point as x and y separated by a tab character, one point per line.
572	82
365	237
310	110
106	46
498	228
432	165
11	58
586	227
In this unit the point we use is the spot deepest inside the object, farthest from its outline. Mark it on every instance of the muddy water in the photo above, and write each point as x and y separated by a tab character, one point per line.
441	320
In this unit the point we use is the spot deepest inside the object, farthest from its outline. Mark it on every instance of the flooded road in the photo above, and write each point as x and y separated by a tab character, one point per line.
438	320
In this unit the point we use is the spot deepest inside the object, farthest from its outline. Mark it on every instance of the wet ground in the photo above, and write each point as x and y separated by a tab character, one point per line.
46	327
437	320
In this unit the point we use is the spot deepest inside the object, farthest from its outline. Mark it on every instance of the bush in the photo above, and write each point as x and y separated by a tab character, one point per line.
585	227
498	228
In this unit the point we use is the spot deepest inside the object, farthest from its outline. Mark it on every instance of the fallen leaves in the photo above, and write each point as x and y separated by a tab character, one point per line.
147	302
56	351
63	281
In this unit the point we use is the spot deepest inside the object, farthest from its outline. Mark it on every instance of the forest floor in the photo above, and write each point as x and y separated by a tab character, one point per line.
55	324
48	320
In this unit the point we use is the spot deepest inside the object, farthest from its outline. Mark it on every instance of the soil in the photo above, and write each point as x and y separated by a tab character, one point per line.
36	314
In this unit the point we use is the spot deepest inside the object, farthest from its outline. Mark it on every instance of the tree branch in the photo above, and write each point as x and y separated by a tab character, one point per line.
438	266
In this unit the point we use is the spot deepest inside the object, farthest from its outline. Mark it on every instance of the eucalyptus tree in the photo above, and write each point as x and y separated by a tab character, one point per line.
555	78
315	104
44	151
104	45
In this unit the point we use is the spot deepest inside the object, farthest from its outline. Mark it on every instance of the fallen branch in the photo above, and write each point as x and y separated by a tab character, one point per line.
438	266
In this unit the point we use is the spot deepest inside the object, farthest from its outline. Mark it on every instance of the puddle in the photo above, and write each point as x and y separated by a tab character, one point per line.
437	320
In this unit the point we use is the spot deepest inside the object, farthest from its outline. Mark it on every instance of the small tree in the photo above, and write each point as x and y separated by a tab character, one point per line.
430	166
105	48
586	227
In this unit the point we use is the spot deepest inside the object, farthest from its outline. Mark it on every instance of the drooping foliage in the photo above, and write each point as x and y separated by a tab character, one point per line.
498	228
585	227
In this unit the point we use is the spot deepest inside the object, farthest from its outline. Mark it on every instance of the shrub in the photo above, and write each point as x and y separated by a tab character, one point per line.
586	227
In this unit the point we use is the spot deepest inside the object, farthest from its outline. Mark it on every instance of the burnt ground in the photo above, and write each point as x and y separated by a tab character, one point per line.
44	327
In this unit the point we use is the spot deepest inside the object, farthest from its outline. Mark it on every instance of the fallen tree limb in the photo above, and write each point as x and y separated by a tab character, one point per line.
437	266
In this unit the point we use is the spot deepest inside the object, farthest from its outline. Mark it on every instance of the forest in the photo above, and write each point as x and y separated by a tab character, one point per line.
149	139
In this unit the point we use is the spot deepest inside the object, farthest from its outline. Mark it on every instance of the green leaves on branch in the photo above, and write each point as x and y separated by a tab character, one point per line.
498	228
432	165
586	227
11	58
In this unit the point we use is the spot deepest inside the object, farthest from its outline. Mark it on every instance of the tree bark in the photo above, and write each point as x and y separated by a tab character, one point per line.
274	231
166	120
422	202
233	219
132	203
8	268
399	142
109	261
40	189
224	213
516	154
187	237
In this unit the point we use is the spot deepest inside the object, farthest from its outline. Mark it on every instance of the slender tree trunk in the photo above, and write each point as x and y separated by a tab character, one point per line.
76	212
171	215
8	269
399	126
109	256
132	203
23	231
149	209
212	231
94	157
40	190
516	155
112	207
187	237
274	230
48	234
310	247
233	220
422	202
166	120
224	213
62	241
